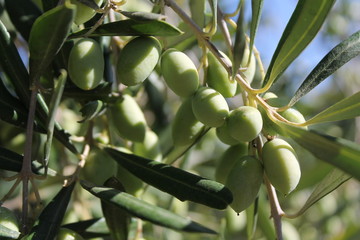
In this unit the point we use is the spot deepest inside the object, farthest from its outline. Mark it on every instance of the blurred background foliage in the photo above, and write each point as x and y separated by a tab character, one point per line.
336	217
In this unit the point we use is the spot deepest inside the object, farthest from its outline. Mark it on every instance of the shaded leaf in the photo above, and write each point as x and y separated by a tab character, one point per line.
177	182
89	228
336	58
339	152
256	10
251	219
51	217
302	27
331	182
240	43
130	27
197	9
345	109
22	17
7	233
101	92
143	16
47	35
144	210
91	110
214	10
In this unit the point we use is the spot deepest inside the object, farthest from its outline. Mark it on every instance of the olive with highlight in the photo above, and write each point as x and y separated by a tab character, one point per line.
83	12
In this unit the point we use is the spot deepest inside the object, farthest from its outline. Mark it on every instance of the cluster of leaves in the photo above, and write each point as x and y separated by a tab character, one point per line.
48	34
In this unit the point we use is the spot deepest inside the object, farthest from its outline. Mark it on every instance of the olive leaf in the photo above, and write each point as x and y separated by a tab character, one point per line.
143	16
240	43
52	215
256	10
91	110
130	27
7	233
92	228
197	9
144	210
339	152
336	58
304	24
347	108
177	182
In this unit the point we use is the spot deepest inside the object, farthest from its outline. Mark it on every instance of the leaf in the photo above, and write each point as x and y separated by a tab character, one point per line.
240	43
197	9
302	27
7	233
214	10
47	35
331	182
336	58
116	218
143	16
144	210
91	110
177	182
339	152
345	109
51	217
251	219
91	228
22	17
130	27
256	10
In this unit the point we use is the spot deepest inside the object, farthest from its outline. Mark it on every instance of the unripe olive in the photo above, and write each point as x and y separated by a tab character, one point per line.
281	165
218	78
186	128
8	219
128	119
209	107
223	134
137	60
245	123
244	181
251	68
86	64
99	167
68	234
83	12
227	161
149	148
179	72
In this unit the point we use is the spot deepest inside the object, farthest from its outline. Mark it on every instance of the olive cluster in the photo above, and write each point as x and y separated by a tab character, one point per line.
202	106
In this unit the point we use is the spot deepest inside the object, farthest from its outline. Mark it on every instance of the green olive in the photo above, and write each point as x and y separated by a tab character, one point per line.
227	161
179	72
99	166
223	134
86	64
8	219
250	71
68	234
185	128
83	12
128	119
245	123
209	107
244	181
281	165
149	148
137	60
218	78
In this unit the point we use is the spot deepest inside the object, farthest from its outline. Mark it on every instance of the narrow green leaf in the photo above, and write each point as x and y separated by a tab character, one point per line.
116	218
256	10
336	58
51	217
22	17
143	16
91	110
177	182
197	9
7	233
47	35
144	210
130	27
240	43
331	182
91	228
339	152
302	27
345	109
251	219
214	10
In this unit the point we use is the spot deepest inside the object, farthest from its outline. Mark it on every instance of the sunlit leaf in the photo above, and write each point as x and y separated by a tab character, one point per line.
331	182
144	210
256	10
302	27
336	58
130	27
339	152
345	109
7	233
164	177
143	16
239	45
